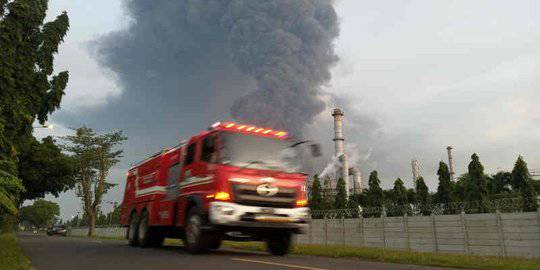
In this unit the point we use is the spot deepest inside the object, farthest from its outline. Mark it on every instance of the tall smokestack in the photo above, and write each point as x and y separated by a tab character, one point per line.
415	170
450	162
340	150
356	181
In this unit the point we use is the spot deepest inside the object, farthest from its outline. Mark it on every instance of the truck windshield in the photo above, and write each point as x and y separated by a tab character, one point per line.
258	152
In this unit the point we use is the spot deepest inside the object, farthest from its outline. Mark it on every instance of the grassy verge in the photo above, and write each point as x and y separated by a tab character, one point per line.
11	257
404	257
394	256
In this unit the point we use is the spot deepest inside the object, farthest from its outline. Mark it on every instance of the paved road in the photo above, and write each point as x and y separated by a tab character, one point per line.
67	253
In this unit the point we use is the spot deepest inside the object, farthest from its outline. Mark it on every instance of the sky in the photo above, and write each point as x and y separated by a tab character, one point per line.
415	76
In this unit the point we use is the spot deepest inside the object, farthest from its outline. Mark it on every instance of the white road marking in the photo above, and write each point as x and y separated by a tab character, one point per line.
279	264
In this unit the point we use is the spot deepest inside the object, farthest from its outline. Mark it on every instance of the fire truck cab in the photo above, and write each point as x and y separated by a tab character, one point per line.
233	181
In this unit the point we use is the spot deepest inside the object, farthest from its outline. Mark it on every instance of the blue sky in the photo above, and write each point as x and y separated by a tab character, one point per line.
426	74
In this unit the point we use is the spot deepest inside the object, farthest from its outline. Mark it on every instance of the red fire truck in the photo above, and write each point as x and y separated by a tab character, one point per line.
232	182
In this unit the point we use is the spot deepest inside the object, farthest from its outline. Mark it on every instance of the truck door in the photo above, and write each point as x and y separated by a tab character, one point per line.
196	178
173	177
167	206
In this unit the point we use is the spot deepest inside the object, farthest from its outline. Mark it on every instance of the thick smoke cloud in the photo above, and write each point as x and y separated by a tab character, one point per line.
264	59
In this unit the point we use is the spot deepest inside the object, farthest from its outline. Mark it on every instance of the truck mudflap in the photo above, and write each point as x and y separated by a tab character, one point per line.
233	215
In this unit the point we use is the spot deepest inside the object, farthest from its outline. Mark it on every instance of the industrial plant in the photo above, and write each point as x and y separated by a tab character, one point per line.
351	174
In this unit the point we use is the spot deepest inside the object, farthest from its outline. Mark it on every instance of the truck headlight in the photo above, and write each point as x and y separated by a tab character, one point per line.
305	214
224	210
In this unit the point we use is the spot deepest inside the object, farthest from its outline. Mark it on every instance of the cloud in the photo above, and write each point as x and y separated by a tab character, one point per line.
413	77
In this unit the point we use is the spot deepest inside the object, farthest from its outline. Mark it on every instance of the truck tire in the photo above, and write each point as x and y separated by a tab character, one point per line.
133	230
279	243
144	231
215	242
196	241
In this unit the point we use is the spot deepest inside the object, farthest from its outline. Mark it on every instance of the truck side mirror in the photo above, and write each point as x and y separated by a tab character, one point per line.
315	150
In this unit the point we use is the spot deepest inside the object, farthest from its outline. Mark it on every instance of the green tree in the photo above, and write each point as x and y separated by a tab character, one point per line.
500	182
460	186
95	155
423	199
74	222
113	217
315	195
375	197
43	169
353	203
476	188
399	192
400	204
340	201
411	196
101	219
327	196
10	187
521	179
29	89
536	185
41	213
444	190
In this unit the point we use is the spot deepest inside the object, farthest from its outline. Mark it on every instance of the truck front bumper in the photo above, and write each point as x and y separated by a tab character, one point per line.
233	215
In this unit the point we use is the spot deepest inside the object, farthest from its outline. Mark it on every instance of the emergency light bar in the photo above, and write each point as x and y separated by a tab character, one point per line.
249	128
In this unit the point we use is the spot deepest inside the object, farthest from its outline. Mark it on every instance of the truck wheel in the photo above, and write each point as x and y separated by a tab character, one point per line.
145	237
196	242
279	243
215	242
132	230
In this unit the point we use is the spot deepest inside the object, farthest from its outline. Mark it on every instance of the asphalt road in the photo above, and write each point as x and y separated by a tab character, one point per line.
67	253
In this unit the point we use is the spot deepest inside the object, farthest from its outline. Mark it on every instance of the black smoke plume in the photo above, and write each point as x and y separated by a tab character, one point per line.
265	59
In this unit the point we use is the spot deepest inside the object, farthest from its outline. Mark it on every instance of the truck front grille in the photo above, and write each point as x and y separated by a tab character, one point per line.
247	195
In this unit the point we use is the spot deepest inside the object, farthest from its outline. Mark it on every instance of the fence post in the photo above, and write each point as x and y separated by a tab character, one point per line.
538	214
363	231
310	229
465	232
383	215
343	229
500	232
325	232
406	230
434	230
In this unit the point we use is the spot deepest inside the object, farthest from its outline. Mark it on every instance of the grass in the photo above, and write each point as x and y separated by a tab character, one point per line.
393	256
11	257
404	257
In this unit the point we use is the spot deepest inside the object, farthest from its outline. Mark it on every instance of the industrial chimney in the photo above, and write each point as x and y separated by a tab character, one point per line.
356	179
415	169
340	150
450	162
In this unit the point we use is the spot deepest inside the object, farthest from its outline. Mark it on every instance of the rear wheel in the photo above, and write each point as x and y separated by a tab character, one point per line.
144	231
133	230
196	242
148	236
279	243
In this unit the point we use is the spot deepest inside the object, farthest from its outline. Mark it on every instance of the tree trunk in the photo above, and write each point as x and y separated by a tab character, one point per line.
91	224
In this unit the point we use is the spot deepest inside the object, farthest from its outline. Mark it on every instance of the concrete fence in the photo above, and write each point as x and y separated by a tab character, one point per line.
113	231
494	234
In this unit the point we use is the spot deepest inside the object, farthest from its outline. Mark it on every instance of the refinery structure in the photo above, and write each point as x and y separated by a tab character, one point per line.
350	174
